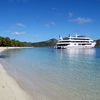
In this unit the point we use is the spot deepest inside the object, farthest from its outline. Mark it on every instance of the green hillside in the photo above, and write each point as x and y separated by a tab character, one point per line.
49	43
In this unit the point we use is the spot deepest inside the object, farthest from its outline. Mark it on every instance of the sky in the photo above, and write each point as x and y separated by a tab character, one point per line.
40	20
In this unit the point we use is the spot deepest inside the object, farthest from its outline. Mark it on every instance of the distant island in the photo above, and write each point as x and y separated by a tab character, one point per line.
7	42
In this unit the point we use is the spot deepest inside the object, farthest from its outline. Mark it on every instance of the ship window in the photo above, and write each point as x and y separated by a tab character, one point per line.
83	44
62	44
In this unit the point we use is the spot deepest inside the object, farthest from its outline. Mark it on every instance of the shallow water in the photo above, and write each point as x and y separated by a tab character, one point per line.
52	74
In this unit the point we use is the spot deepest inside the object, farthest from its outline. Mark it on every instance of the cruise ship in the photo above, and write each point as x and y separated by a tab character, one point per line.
78	41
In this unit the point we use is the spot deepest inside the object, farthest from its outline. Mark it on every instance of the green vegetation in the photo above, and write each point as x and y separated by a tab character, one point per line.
98	42
12	42
6	41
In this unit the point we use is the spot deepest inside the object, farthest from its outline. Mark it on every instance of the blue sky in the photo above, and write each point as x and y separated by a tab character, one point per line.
39	20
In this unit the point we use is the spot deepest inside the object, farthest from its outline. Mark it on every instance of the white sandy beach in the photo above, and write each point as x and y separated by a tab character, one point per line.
9	89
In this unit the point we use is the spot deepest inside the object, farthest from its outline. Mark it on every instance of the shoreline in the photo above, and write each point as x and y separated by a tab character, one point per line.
9	88
6	48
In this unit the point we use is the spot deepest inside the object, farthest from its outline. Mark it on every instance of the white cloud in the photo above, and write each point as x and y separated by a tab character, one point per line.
50	24
20	25
81	20
17	33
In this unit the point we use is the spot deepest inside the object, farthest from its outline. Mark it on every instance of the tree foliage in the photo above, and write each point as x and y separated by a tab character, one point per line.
98	42
12	42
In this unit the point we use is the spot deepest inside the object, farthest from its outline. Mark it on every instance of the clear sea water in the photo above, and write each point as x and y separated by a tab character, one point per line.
52	74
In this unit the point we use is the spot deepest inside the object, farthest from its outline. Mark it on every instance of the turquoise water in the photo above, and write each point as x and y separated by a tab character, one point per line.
52	74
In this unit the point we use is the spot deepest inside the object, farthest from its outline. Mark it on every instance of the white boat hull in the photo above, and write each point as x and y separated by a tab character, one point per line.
76	46
75	42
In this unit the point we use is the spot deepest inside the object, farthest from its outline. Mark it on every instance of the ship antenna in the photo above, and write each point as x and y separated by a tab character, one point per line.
60	37
69	36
